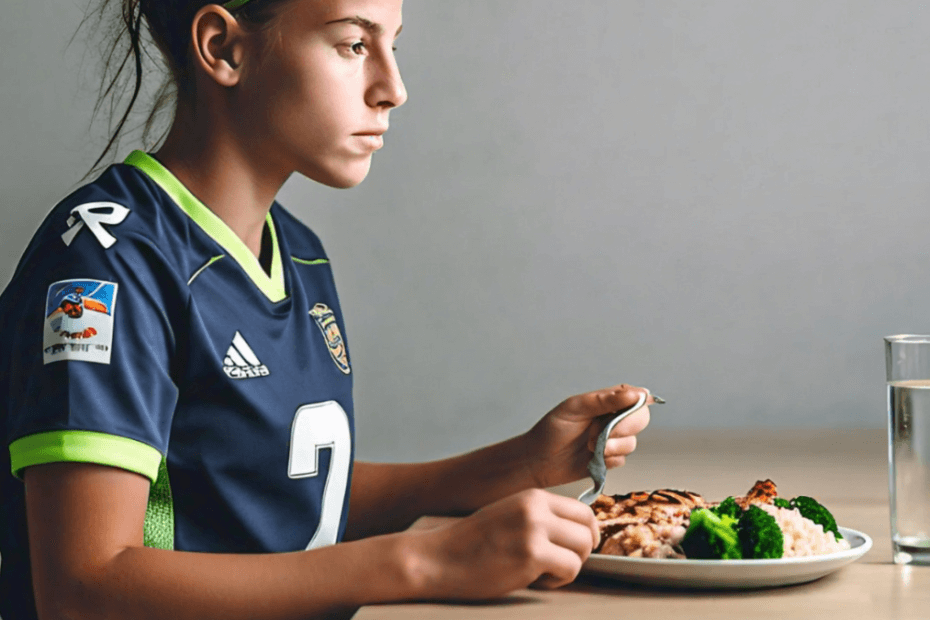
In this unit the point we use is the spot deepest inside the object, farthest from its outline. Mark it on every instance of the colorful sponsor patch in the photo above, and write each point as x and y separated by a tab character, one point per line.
79	321
326	321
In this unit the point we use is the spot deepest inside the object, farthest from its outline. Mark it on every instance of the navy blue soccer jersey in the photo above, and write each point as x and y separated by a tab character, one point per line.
139	332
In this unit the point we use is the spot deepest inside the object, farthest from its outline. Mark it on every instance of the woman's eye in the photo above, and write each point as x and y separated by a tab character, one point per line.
358	47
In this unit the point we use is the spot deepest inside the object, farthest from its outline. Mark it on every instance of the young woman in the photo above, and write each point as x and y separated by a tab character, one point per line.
176	388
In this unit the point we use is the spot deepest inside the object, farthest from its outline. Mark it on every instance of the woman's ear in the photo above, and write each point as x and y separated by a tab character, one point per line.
218	44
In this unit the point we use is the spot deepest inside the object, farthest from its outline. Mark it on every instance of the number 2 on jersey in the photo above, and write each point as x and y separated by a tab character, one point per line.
317	427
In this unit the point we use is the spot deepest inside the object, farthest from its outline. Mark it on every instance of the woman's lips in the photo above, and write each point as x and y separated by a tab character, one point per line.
370	140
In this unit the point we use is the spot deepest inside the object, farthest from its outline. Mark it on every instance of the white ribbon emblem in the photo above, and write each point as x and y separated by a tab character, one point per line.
95	215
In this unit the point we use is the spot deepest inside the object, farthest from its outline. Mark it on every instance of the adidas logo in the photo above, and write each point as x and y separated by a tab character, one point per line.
241	362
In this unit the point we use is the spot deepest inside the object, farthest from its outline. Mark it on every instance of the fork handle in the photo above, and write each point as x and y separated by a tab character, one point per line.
596	466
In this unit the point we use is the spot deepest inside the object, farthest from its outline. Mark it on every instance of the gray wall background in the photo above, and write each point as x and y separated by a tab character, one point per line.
723	200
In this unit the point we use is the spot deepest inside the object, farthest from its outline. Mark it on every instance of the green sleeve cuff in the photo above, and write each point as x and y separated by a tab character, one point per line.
84	447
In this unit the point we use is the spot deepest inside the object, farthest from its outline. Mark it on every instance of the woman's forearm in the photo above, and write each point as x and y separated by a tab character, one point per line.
388	497
88	561
144	583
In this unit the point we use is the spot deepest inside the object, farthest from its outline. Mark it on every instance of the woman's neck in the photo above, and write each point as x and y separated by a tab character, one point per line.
237	184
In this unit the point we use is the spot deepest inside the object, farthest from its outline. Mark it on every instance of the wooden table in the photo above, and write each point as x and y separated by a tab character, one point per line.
846	470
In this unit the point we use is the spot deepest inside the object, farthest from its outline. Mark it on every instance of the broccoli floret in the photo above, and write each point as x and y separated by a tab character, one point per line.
710	537
781	502
728	507
811	509
759	535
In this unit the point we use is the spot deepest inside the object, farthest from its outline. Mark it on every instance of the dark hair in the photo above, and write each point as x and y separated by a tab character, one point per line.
167	26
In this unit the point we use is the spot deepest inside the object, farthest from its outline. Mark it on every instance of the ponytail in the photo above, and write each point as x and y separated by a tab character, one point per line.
124	47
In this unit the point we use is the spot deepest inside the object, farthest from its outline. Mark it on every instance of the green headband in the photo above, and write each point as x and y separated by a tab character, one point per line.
234	4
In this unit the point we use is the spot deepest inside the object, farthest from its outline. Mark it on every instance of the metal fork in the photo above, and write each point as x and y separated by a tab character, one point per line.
597	467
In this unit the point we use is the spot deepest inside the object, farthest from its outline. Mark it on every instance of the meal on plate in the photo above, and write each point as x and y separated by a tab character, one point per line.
681	524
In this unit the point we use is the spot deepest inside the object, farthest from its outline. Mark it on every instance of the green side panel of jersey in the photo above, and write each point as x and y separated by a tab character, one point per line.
158	531
84	447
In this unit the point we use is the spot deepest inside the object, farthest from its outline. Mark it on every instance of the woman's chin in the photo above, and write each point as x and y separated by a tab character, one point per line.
342	177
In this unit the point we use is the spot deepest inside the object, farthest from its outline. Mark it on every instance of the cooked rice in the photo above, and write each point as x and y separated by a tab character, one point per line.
803	537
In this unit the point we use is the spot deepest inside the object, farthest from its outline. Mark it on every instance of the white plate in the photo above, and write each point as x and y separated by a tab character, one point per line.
724	574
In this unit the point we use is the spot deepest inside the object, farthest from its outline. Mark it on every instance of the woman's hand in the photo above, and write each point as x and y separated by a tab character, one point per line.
532	538
558	448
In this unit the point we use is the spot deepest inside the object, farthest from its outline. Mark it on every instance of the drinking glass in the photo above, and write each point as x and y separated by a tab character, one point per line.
907	366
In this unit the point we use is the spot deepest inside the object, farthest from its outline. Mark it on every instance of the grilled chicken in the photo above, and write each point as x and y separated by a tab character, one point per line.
762	492
642	524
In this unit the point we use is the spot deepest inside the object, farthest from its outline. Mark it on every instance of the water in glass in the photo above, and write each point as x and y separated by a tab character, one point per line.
909	470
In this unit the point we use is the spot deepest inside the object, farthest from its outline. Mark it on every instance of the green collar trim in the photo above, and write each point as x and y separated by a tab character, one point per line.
272	286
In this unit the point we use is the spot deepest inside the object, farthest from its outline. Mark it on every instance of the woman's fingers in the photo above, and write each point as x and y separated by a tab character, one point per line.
621	397
571	533
627	427
563	566
602	402
620	446
633	424
613	462
585	535
617	447
574	537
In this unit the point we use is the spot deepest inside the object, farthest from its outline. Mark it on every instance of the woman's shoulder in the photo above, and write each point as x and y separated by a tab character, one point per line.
120	202
117	218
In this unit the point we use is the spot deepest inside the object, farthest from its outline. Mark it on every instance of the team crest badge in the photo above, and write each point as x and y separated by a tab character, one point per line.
79	321
326	321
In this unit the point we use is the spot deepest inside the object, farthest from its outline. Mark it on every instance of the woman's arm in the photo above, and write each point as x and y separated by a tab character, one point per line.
85	526
389	497
88	561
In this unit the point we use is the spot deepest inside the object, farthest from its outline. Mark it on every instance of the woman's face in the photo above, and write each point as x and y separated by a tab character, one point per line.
318	100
